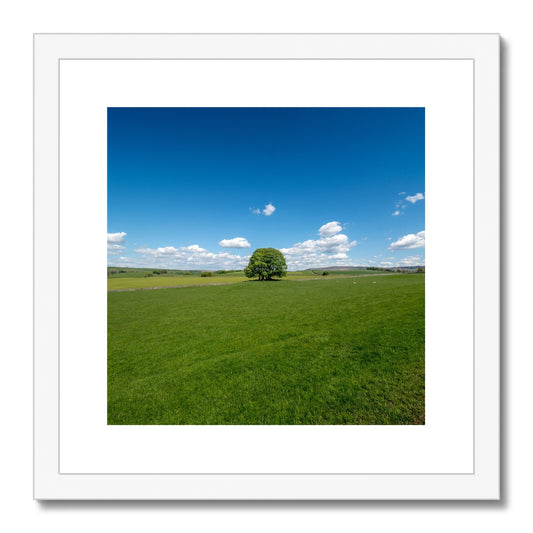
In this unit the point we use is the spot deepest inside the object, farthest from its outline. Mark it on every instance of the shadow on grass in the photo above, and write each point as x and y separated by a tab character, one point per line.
265	280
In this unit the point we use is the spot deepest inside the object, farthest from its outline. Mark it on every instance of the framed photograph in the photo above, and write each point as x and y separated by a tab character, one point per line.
231	295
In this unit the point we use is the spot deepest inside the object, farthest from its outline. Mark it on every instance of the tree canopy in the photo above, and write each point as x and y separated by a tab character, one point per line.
265	264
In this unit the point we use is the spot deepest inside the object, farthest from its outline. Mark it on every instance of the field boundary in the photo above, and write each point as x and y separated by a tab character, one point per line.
248	281
176	286
324	278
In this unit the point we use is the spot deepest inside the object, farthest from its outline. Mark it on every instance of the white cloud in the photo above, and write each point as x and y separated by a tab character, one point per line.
331	228
120	261
335	244
401	203
418	196
327	245
330	249
410	241
167	250
113	240
316	260
194	248
192	256
268	210
413	260
116	237
115	249
237	242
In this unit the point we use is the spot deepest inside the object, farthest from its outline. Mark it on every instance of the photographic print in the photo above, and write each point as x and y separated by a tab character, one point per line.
266	266
265	329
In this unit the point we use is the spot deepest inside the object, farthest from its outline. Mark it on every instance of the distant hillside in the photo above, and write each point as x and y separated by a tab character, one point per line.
341	268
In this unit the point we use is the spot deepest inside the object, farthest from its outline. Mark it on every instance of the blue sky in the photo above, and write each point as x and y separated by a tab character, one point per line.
202	188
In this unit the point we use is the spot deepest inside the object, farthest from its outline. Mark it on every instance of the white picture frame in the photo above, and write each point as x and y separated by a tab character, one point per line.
64	470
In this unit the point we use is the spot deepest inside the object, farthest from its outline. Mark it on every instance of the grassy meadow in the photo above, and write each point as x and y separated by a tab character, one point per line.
135	278
338	350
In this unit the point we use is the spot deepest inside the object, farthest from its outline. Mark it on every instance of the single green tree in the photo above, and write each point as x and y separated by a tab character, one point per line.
265	264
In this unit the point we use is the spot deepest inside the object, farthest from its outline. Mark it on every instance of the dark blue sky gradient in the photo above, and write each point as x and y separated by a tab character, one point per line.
183	176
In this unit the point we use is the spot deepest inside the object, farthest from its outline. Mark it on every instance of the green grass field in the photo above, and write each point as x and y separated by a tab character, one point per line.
136	279
334	351
160	281
130	272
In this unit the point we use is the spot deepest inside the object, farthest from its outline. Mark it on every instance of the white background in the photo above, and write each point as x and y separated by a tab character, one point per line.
443	445
18	22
